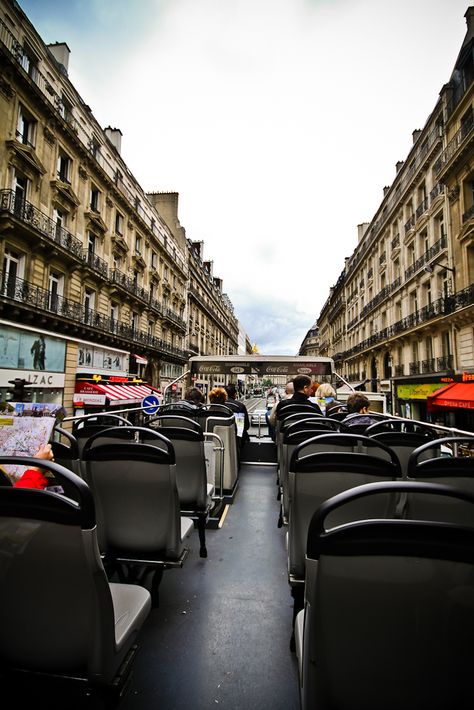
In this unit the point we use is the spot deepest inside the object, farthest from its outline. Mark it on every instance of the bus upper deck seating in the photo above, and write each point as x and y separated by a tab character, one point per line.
85	427
218	419
403	436
66	450
314	477
195	493
431	463
294	432
388	619
60	617
138	510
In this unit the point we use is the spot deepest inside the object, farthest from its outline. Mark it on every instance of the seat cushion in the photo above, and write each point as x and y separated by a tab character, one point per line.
132	604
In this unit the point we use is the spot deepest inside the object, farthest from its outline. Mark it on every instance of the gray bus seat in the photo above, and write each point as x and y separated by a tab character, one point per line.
139	519
195	493
61	620
222	423
387	621
85	427
430	463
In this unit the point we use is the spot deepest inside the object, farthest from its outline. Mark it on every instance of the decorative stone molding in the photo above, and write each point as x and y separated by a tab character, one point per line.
49	135
453	193
82	172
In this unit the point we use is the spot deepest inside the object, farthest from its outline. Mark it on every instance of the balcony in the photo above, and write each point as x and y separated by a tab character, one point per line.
28	298
127	284
95	263
428	365
30	216
456	146
426	257
440	307
399	370
414	368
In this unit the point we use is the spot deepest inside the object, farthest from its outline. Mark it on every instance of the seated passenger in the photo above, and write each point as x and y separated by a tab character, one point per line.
302	385
195	396
326	397
358	411
34	477
218	395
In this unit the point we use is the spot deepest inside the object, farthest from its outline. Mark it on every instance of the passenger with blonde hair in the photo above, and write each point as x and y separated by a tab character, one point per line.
326	397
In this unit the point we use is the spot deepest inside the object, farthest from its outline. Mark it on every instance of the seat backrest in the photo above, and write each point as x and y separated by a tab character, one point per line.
289	417
403	443
191	471
430	463
174	420
66	450
84	428
388	617
56	611
318	476
292	436
224	426
135	490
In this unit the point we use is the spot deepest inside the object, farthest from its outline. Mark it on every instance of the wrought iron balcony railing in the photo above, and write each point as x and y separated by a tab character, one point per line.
31	296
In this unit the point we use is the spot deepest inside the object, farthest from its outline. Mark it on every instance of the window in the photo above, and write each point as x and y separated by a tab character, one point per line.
89	306
65	108
95	194
64	167
60	218
135	321
26	127
151	327
20	188
13	269
119	223
154	260
55	290
114	312
138	244
91	242
29	61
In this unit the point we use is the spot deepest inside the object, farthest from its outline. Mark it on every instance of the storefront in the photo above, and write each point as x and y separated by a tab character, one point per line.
453	404
108	393
411	398
36	357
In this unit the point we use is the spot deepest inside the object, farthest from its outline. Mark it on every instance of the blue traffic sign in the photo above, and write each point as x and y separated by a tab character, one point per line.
150	404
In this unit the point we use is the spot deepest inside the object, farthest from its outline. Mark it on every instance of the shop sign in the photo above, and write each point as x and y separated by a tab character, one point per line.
417	390
52	380
89	398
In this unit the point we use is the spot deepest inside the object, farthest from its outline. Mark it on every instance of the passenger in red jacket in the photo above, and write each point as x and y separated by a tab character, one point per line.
34	477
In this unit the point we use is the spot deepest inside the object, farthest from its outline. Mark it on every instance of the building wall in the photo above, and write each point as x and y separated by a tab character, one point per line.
85	253
402	312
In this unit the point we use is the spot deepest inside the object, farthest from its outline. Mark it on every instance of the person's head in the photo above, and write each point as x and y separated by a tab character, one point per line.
303	384
194	395
231	391
357	402
325	390
314	389
218	395
289	389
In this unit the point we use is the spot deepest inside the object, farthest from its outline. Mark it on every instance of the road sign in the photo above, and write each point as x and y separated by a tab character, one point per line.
150	404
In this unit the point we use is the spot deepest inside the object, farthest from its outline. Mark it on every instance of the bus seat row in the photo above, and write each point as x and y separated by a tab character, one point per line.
61	618
388	613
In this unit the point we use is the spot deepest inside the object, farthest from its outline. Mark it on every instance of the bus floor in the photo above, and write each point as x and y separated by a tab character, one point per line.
220	636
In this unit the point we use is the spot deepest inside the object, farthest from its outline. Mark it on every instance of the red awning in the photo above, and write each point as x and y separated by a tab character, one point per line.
115	393
458	395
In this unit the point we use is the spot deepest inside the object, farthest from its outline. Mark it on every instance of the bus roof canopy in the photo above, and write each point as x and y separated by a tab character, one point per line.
261	365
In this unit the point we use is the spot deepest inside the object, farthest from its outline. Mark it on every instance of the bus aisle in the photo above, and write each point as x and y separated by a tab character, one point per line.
220	637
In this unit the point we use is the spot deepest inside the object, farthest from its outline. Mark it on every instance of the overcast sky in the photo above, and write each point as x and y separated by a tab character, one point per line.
278	122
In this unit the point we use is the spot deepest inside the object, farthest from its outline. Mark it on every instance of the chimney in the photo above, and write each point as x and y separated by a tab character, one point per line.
115	137
469	15
386	189
399	165
60	52
416	134
361	230
166	204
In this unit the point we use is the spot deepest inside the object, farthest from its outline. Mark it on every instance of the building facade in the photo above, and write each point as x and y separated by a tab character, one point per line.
96	279
401	316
